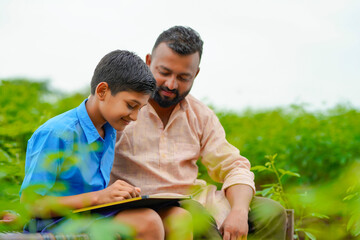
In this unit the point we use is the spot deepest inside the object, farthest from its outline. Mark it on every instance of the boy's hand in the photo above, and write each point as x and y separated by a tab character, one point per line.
117	191
7	217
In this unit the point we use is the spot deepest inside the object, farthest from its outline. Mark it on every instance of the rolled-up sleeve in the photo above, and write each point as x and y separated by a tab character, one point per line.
222	160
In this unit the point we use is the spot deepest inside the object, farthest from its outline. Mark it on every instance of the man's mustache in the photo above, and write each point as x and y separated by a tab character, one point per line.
168	90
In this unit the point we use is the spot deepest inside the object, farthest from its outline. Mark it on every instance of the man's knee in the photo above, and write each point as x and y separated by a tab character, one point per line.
178	212
267	219
268	209
204	224
177	222
151	224
195	208
146	222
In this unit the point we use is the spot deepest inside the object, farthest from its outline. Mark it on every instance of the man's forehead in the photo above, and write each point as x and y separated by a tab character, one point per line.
166	58
164	49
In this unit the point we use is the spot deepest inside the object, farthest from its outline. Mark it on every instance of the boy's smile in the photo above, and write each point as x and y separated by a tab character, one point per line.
118	110
122	108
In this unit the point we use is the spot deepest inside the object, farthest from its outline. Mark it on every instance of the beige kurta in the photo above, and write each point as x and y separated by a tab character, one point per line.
163	160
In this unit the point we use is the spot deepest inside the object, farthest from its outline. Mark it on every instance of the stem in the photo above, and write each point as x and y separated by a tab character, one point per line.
279	182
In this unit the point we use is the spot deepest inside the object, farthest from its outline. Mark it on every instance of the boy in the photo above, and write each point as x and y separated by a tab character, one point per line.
69	158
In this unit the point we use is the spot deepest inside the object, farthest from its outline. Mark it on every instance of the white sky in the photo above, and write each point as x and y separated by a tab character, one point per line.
256	53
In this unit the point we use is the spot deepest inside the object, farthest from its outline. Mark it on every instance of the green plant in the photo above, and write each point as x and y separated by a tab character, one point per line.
275	190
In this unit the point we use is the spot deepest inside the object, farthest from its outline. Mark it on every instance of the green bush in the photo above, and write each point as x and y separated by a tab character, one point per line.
318	145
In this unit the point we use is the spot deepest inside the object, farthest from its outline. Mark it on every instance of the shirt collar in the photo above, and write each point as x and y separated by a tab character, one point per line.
184	104
89	129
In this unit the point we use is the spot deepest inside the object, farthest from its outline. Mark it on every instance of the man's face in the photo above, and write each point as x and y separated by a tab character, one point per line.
174	74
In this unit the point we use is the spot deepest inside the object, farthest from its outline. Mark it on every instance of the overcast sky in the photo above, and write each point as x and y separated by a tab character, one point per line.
256	53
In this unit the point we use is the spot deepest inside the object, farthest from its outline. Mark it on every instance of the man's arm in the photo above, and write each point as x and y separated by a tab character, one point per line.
225	164
236	223
50	206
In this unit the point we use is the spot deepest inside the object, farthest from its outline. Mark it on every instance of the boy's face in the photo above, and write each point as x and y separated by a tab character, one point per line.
122	108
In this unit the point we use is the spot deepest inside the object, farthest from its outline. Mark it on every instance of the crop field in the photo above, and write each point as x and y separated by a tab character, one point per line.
309	161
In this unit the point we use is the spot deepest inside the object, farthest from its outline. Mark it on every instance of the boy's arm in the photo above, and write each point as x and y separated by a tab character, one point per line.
50	206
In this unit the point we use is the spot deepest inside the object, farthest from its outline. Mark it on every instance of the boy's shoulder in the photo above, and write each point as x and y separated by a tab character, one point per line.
60	125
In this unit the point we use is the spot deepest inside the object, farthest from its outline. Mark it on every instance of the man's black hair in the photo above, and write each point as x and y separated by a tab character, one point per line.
123	71
182	40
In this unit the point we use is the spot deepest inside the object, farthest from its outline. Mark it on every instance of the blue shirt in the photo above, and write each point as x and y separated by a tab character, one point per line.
67	156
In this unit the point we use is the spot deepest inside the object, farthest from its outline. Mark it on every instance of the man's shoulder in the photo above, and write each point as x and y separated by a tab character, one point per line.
196	103
198	107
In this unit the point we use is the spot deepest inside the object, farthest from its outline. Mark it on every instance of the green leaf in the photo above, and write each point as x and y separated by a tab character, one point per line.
353	225
310	235
351	196
284	172
265	192
350	189
261	169
319	215
269	185
258	168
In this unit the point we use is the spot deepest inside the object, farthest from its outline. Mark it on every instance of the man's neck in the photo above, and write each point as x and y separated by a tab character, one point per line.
163	113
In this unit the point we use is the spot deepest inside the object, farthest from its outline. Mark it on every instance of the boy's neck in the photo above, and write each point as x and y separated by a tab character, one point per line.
92	108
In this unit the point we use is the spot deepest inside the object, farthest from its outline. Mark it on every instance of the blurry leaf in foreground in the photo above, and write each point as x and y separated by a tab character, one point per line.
310	235
353	225
97	228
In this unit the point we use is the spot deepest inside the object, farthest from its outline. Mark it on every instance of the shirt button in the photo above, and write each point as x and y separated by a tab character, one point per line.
163	155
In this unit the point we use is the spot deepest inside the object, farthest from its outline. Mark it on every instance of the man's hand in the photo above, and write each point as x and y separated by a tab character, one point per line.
117	191
235	225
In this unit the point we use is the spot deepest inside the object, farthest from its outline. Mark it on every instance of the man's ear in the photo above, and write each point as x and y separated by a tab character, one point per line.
148	59
197	72
101	90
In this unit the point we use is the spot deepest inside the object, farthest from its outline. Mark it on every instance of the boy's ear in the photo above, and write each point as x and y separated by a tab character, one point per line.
101	90
148	59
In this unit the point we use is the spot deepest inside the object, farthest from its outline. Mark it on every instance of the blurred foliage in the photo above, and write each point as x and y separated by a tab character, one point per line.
25	105
322	147
314	144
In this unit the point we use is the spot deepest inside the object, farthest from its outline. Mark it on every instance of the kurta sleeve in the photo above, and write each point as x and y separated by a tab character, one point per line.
222	160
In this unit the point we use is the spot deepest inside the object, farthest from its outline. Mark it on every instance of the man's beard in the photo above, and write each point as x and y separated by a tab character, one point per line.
166	102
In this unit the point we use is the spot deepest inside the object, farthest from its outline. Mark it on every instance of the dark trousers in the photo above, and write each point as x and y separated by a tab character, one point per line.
267	220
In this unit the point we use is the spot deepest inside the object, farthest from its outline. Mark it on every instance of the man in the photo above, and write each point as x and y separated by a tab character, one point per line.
159	152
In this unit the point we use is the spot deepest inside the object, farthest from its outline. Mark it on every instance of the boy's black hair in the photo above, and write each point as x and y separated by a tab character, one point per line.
123	71
182	40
